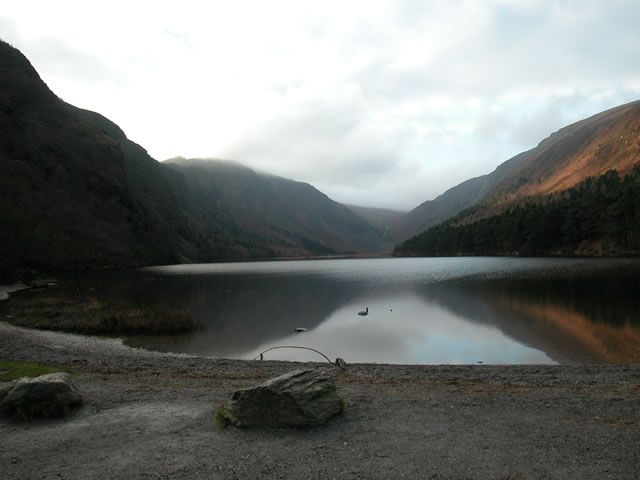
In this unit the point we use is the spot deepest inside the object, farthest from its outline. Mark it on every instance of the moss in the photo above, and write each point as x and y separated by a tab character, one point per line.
220	418
13	369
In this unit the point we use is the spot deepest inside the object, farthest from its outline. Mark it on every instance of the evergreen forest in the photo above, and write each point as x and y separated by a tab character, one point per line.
600	216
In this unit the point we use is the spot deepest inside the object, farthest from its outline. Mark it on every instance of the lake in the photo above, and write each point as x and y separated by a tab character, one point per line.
421	310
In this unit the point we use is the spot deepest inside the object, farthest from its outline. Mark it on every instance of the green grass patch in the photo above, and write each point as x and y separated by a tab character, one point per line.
12	369
220	418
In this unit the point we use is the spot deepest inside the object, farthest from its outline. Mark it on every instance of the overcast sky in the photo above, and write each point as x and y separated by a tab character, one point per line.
378	103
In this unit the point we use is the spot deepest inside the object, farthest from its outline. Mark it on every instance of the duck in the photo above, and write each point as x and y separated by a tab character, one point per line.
364	312
300	330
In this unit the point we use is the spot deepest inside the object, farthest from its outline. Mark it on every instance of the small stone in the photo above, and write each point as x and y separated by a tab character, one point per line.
46	396
298	398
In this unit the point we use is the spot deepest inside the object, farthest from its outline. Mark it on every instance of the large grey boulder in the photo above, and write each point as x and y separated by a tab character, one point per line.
46	396
298	398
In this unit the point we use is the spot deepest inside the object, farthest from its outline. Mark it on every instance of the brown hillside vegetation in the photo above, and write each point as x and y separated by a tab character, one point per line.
596	341
607	141
590	148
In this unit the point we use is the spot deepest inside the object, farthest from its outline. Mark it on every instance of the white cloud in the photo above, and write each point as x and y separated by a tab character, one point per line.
386	103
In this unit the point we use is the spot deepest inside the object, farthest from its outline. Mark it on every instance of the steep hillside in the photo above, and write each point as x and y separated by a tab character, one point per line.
291	218
444	206
383	219
589	148
607	141
600	216
76	193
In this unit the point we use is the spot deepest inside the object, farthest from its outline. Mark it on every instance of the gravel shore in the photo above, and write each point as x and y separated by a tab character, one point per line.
150	415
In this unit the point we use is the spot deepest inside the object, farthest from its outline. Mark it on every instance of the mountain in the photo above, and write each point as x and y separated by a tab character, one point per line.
291	218
441	208
75	192
600	216
606	141
384	219
577	192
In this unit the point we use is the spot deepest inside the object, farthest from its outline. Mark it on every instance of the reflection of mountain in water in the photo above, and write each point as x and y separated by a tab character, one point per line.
406	329
593	318
239	312
589	315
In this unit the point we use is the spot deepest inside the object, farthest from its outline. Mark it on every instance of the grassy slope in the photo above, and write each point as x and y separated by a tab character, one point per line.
588	148
14	369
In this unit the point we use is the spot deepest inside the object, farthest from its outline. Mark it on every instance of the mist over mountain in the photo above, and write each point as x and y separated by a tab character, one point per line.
290	218
384	219
75	192
441	208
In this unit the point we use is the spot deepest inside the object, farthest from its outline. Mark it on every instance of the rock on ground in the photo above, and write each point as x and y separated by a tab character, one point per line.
298	398
46	396
149	415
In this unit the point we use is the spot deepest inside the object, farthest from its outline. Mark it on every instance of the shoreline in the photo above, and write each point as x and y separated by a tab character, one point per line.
7	290
150	415
15	279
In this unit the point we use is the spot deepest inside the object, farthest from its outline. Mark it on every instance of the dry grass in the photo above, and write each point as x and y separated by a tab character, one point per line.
90	316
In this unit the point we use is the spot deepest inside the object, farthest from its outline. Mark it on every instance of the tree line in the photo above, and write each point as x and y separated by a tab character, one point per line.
600	216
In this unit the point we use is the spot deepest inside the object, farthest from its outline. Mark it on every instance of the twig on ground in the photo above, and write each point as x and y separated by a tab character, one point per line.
338	363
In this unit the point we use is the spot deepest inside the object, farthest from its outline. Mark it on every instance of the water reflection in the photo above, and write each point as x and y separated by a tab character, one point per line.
590	318
406	329
421	310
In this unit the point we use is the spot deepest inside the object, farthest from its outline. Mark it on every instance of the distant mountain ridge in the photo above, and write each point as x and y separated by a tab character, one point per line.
75	192
384	219
444	206
292	218
609	140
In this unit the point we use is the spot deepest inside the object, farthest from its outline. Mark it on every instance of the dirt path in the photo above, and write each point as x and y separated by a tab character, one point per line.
149	415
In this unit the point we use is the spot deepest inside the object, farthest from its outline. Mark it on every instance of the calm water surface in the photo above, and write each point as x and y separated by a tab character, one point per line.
421	310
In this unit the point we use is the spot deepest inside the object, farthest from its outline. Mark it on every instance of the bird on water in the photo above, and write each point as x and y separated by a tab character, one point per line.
364	312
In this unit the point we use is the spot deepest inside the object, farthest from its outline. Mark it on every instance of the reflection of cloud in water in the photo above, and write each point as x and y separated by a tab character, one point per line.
403	329
445	310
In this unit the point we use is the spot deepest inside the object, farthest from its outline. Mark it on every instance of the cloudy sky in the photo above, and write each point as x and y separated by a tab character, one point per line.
379	103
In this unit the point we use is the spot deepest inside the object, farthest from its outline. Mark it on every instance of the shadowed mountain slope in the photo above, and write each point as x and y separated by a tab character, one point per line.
441	208
292	218
76	193
382	218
